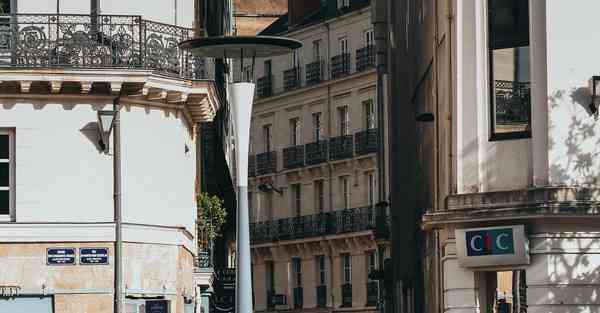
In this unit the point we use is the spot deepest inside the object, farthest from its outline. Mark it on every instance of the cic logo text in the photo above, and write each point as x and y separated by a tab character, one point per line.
490	242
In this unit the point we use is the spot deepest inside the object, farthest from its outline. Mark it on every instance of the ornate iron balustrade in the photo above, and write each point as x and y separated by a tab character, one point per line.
340	65
365	58
251	166
316	152
264	86
366	141
204	259
340	147
102	41
513	102
346	295
266	163
293	157
298	298
330	223
372	293
322	296
314	73
291	79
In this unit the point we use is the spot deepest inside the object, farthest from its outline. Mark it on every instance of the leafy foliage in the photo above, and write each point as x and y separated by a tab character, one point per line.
211	215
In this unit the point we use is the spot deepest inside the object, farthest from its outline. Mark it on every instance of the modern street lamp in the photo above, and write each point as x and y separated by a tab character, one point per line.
240	95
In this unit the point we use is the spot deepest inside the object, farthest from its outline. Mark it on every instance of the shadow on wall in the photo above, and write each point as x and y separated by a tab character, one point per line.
573	139
91	132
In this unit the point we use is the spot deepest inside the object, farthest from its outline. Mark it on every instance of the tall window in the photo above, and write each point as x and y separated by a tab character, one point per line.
371	262
6	173
321	270
270	281
295	131
297	199
268	68
371	188
317	129
319	196
297	270
508	23
316	49
344	120
369	38
267	144
267	205
345	189
343	45
369	111
346	268
251	212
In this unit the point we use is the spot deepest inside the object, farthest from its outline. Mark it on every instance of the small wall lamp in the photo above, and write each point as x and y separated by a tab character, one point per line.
595	93
105	126
268	187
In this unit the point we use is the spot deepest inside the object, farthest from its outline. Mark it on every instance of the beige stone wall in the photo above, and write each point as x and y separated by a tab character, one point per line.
83	303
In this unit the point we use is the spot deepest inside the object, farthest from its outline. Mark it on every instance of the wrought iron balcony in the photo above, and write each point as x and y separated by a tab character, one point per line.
102	41
314	73
372	293
513	101
266	163
291	79
251	166
340	147
346	295
329	223
264	86
298	298
293	157
340	65
366	141
316	152
365	58
321	296
204	259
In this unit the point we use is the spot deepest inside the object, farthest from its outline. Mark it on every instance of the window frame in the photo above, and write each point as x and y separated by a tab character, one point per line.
369	37
370	115
267	137
371	189
371	261
343	45
319	192
10	132
493	135
345	191
321	270
295	132
344	120
317	127
346	268
297	271
297	199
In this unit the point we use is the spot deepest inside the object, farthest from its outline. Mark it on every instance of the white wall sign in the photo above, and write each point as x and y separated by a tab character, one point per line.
492	246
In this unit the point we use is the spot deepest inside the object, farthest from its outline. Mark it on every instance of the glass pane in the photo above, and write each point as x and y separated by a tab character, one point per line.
4	147
4	202
4	174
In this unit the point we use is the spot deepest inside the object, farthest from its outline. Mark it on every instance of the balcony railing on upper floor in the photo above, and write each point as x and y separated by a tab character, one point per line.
340	65
291	79
329	223
365	58
264	86
366	141
204	259
316	152
251	166
293	157
266	163
340	147
314	73
102	41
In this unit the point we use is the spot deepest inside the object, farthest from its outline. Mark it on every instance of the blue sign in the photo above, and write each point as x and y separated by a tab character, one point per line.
93	256
490	242
60	256
157	306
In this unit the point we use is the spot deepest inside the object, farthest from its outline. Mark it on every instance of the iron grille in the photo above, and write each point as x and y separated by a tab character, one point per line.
366	141
316	152
204	259
340	65
340	147
291	79
365	58
293	157
314	73
264	86
266	163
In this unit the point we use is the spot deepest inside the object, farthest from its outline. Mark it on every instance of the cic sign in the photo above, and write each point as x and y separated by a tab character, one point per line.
492	246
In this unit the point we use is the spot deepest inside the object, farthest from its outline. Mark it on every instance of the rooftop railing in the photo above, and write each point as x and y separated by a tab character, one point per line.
101	41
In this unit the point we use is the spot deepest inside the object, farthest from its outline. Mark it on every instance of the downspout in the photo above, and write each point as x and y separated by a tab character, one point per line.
330	166
118	253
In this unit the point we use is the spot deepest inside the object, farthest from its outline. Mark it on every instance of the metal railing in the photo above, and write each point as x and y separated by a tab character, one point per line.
365	58
329	223
316	152
513	101
293	157
372	293
251	166
204	259
264	86
340	65
266	163
346	295
291	79
314	73
366	141
102	41
341	147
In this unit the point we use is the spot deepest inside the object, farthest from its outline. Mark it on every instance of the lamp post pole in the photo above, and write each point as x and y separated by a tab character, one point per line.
117	206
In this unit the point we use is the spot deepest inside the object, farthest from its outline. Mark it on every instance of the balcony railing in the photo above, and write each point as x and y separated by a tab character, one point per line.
293	157
314	73
372	293
251	166
329	223
365	58
204	259
340	65
264	86
366	141
346	295
291	79
102	41
316	152
266	163
321	296
340	147
298	298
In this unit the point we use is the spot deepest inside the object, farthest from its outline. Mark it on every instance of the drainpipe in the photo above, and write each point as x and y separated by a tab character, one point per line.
117	206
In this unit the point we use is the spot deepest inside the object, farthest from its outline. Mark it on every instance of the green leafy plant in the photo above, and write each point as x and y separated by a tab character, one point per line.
211	215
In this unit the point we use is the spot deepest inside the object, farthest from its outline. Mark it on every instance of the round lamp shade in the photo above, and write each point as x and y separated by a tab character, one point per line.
240	46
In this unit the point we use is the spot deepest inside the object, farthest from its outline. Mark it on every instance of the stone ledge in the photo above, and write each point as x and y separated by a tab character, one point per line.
534	203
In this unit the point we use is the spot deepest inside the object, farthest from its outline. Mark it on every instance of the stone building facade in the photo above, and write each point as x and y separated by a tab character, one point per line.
503	182
313	163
